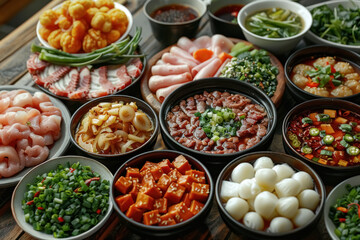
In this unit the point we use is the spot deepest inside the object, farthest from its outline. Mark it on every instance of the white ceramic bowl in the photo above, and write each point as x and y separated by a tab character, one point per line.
278	46
117	5
336	193
59	146
45	167
312	37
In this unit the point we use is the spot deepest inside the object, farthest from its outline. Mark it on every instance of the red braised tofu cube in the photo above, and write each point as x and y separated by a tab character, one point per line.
186	199
167	220
133	173
198	176
161	205
180	212
123	184
164	182
174	193
166	166
151	189
151	218
124	202
144	201
174	175
199	192
181	164
156	172
146	166
185	181
195	207
135	213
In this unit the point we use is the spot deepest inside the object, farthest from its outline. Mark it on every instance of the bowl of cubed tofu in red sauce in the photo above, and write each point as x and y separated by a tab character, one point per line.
162	193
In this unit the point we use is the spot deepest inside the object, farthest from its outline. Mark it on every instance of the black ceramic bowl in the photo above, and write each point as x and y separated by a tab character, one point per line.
314	52
217	84
330	174
221	26
168	33
113	161
162	231
277	158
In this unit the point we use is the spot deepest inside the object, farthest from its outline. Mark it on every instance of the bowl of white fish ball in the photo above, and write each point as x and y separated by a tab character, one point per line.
269	195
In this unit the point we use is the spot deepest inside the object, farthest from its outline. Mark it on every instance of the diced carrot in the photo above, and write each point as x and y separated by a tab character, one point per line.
312	116
151	218
123	184
343	163
331	113
174	193
180	212
144	201
199	192
161	205
203	54
198	176
124	202
181	164
147	165
186	181
133	173
328	128
167	220
356	160
135	213
165	165
186	199
309	156
340	120
156	171
223	56
322	161
174	175
196	207
164	182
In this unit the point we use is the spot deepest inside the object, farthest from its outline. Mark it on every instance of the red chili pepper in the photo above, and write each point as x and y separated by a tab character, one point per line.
327	63
98	211
88	181
342	219
72	170
60	219
43	180
37	194
312	84
77	190
332	69
30	202
40	208
351	204
342	209
331	83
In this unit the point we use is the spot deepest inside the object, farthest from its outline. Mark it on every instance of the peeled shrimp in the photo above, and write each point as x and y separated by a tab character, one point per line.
34	155
10	163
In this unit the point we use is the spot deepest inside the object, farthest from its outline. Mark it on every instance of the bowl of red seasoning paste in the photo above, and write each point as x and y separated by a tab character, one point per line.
162	193
217	119
326	134
172	19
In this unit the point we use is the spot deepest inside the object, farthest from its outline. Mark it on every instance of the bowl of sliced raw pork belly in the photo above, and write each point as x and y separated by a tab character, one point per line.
34	127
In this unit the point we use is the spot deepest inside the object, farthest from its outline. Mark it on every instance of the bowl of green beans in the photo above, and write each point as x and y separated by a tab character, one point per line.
65	197
341	213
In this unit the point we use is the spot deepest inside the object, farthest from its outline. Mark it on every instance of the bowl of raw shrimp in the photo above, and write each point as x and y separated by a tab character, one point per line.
269	195
323	72
96	24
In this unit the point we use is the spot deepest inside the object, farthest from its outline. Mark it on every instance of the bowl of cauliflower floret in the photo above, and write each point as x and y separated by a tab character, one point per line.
83	26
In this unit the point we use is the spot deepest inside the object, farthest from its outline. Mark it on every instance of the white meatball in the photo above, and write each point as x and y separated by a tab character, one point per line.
255	188
304	179
263	162
287	207
287	187
299	80
324	61
229	190
266	178
283	171
343	67
237	207
342	91
353	85
309	199
280	225
245	189
317	91
254	220
302	217
302	69
241	172
265	204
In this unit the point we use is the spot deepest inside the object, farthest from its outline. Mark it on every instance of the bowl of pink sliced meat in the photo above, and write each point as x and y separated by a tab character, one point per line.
32	130
84	83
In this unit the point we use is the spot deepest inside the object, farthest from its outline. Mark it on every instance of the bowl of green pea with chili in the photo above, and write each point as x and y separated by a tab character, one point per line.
326	134
65	197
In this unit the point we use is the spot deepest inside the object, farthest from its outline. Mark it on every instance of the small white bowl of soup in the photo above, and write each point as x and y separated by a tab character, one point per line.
276	26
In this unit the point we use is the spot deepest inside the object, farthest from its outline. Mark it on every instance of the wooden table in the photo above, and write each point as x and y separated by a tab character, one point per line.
15	50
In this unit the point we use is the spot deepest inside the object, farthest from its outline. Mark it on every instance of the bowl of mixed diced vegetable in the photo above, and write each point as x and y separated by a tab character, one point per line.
65	197
341	213
336	23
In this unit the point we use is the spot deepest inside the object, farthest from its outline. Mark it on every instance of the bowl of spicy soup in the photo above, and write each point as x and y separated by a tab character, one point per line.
171	19
326	134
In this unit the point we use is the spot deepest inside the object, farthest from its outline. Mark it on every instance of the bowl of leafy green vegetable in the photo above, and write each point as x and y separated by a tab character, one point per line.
341	212
276	26
336	23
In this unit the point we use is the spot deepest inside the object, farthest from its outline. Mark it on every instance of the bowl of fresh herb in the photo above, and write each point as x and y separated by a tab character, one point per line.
336	23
